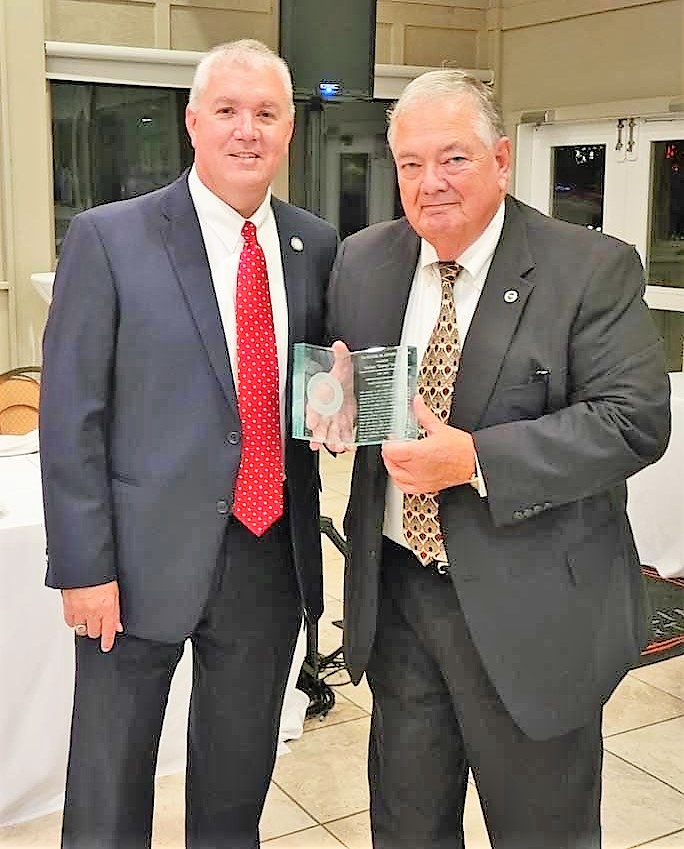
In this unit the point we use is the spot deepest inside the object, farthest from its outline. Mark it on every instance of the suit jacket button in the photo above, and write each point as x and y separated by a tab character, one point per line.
538	508
518	514
222	507
233	438
547	505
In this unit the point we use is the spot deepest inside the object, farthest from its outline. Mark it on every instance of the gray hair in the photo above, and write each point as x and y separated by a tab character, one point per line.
247	51
452	83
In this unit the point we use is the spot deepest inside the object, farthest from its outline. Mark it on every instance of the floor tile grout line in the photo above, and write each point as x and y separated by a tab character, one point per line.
299	805
646	772
335	837
308	729
655	686
290	833
317	822
336	724
646	725
346	817
662	837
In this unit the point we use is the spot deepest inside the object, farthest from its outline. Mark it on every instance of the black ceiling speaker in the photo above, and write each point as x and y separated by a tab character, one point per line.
330	47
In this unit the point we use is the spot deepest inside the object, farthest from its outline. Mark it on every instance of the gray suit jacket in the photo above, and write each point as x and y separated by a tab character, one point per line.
140	429
566	394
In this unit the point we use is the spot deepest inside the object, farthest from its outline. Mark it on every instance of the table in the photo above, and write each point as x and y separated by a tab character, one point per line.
37	664
656	498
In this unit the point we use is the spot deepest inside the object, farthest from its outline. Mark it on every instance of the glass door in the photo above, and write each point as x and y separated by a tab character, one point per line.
577	174
360	182
626	178
655	209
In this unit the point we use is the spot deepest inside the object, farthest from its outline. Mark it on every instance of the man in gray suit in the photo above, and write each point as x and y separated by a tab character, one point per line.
176	505
493	591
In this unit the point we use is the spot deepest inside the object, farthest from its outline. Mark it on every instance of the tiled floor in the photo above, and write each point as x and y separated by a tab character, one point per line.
319	798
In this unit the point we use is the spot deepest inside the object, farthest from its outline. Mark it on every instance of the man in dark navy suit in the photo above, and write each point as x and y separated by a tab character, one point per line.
176	505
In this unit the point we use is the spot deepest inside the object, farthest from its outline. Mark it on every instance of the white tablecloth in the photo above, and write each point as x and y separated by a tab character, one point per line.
37	664
656	498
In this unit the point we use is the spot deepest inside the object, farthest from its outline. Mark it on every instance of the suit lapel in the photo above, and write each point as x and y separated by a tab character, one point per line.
293	249
183	239
496	318
394	277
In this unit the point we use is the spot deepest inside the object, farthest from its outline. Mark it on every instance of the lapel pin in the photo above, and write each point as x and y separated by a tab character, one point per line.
510	296
296	244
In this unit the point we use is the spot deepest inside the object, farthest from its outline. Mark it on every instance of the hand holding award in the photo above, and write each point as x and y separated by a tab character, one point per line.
342	399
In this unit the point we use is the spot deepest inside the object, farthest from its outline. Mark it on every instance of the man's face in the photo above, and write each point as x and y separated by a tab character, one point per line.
451	182
240	130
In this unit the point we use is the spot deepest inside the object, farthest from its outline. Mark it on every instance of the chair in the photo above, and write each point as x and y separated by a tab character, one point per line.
19	395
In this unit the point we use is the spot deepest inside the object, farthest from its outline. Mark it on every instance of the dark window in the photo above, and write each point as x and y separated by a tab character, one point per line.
112	142
578	173
354	188
666	237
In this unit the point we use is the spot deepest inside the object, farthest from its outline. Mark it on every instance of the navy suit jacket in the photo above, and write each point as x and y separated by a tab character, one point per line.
562	383
140	429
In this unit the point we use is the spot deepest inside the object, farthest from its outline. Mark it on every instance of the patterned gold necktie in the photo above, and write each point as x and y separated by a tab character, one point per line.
436	385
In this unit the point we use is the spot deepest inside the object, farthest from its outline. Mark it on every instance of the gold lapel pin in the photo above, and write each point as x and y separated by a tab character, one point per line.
296	244
510	296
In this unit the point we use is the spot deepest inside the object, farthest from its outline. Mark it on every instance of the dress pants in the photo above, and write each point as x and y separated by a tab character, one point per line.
242	649
436	714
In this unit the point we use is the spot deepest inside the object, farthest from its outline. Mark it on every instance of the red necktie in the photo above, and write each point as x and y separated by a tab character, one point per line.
258	499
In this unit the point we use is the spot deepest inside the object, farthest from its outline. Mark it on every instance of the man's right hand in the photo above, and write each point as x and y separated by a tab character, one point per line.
97	608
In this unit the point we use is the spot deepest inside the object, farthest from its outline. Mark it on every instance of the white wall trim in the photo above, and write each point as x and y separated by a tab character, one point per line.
391	80
651	107
104	63
669	298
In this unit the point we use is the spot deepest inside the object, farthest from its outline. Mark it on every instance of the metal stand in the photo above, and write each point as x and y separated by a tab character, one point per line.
321	695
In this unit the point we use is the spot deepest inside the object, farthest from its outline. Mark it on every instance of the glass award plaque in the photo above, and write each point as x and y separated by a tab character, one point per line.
354	398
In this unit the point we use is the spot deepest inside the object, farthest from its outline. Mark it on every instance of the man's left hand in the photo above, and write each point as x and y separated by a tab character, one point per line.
336	431
444	457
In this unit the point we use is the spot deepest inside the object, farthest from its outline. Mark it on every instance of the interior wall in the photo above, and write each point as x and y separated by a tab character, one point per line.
557	53
172	24
25	181
430	32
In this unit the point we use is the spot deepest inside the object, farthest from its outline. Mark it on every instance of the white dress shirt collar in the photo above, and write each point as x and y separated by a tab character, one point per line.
224	221
475	256
221	228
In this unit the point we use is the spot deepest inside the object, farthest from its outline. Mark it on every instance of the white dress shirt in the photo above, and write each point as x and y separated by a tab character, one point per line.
422	311
221	228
